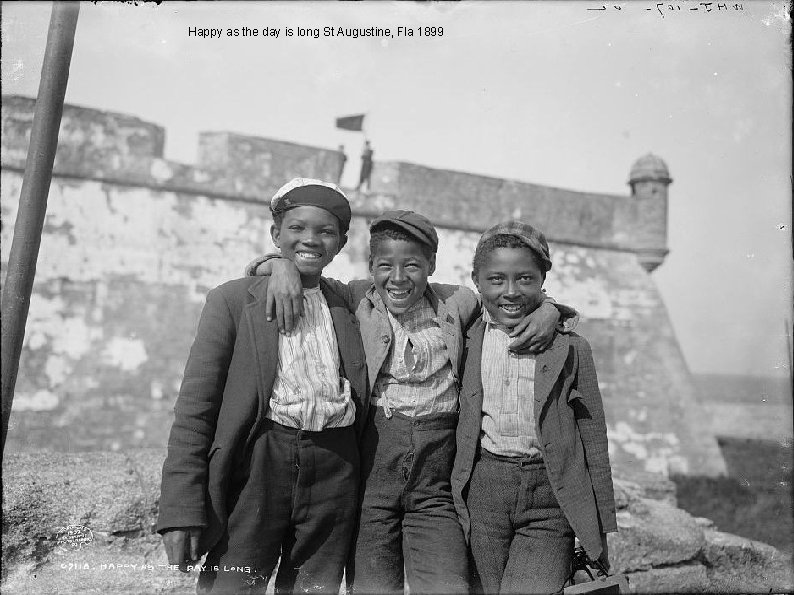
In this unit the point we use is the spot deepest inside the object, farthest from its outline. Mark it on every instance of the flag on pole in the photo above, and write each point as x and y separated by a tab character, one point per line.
355	123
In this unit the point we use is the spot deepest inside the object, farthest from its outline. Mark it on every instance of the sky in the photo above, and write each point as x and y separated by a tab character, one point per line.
551	93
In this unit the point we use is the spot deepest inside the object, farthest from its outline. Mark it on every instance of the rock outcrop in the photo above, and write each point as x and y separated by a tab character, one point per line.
84	523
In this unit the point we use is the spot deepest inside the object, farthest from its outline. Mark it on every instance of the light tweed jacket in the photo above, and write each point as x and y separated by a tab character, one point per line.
569	422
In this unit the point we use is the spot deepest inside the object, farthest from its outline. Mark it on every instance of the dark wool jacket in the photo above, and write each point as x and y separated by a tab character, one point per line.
224	396
569	422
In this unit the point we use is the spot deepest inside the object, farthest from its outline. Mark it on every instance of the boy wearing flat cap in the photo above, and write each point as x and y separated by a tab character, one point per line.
532	467
263	456
413	335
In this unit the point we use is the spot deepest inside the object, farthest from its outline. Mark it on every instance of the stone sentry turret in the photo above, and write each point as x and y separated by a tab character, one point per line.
649	179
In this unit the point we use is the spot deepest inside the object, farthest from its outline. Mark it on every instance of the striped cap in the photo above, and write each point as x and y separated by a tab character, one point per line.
534	239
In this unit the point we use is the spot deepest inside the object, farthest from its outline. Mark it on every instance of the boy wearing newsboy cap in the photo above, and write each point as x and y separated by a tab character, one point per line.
532	468
263	459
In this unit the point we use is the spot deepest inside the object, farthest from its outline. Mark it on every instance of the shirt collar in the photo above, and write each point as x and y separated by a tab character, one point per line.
491	324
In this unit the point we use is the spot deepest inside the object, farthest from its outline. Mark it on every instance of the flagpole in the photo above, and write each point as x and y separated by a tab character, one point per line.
33	196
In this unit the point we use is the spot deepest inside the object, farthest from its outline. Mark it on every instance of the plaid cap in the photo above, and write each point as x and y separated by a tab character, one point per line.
534	239
300	192
418	226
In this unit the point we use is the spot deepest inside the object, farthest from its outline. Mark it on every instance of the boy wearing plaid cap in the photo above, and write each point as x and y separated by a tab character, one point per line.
413	336
532	467
263	459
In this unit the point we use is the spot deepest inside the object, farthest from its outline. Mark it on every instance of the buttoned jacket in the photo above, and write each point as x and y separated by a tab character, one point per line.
225	395
571	430
456	309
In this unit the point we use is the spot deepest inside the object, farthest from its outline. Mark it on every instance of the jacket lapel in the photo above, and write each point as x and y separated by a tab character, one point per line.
472	374
343	324
548	366
375	326
470	419
449	329
264	335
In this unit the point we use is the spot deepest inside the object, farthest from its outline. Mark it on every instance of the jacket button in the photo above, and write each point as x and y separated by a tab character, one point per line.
385	338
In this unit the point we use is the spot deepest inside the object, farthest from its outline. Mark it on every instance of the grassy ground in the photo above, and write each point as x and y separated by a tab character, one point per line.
755	500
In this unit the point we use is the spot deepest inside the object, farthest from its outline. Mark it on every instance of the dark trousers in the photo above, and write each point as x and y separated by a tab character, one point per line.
521	541
408	525
296	500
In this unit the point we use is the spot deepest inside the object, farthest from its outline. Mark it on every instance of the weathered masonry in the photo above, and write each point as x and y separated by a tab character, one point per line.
132	242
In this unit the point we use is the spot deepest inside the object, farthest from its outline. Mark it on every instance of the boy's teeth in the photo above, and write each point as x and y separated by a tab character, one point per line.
511	307
308	255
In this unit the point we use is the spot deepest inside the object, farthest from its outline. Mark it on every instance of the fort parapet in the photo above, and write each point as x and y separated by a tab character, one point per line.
132	242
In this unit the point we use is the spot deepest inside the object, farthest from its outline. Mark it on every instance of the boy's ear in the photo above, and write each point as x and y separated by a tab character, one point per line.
275	233
474	279
432	265
342	242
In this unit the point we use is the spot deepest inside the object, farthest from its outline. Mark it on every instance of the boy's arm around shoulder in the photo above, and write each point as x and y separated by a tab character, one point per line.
569	317
352	291
184	481
284	293
593	431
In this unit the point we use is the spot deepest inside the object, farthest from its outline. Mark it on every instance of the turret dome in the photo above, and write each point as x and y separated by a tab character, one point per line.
649	167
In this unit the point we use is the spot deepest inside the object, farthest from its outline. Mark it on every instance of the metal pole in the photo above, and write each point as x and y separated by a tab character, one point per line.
33	197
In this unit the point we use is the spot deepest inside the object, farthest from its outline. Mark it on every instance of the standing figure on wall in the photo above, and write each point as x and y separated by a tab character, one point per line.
342	161
366	166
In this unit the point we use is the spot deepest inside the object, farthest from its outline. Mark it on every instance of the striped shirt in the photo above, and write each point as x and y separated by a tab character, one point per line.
416	377
308	392
508	382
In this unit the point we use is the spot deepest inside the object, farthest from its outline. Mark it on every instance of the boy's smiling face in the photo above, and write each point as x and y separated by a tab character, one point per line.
399	271
310	237
510	283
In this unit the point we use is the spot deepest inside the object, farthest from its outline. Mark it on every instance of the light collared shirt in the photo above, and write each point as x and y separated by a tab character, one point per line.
508	383
308	392
416	377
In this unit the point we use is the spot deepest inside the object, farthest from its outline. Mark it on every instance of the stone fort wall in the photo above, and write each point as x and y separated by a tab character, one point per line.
132	242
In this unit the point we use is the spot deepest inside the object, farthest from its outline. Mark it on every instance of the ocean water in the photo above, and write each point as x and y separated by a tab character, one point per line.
747	407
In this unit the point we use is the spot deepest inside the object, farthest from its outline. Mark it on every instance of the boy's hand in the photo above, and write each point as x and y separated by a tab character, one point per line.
536	332
284	294
182	546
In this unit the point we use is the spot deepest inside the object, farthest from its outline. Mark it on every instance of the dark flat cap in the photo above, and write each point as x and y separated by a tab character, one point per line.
418	226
